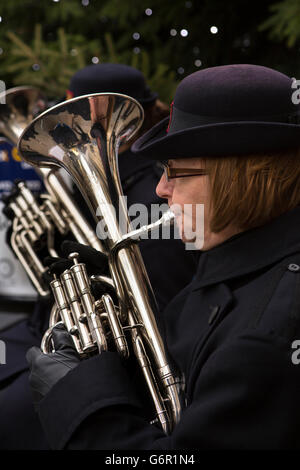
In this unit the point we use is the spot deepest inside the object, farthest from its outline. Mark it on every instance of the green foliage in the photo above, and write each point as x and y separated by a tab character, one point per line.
63	36
47	65
46	54
284	22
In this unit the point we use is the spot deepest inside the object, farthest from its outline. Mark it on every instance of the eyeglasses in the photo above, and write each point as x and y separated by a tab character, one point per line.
171	173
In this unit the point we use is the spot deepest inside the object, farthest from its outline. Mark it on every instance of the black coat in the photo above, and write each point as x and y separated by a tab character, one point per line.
230	332
19	425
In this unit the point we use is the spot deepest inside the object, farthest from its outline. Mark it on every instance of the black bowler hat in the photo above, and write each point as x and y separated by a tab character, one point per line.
227	110
115	78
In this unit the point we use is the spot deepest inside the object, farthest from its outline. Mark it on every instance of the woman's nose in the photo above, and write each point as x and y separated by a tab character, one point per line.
164	189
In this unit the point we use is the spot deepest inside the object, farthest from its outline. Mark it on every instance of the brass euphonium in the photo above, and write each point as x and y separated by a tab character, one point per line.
33	222
83	135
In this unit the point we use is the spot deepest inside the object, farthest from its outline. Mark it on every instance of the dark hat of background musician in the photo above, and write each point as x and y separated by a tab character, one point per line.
227	110
115	78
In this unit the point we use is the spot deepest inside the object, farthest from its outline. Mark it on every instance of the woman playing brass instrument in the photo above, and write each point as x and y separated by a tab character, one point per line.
232	145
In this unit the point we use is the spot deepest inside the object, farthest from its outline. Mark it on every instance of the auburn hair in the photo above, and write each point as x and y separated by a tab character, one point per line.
248	191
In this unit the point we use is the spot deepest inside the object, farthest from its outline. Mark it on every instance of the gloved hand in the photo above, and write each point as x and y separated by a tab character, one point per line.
95	261
47	369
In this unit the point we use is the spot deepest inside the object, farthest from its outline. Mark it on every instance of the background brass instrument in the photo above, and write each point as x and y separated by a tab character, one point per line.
83	135
35	223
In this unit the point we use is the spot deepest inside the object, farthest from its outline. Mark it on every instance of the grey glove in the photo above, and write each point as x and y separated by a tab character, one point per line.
48	369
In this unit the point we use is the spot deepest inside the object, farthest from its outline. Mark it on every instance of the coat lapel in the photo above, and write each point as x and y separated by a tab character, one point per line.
217	301
203	309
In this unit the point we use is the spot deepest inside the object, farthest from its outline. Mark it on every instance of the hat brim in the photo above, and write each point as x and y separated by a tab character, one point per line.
148	99
218	139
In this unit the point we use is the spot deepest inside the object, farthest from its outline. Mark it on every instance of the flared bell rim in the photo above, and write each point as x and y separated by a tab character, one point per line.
67	104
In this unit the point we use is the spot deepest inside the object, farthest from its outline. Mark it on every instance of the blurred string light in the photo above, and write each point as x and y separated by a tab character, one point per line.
36	67
198	63
95	60
1	50
173	32
180	70
56	1
136	36
73	52
0	19
214	30
85	3
136	50
184	33
148	11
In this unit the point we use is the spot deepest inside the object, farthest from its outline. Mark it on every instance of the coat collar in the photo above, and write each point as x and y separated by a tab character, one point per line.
250	251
